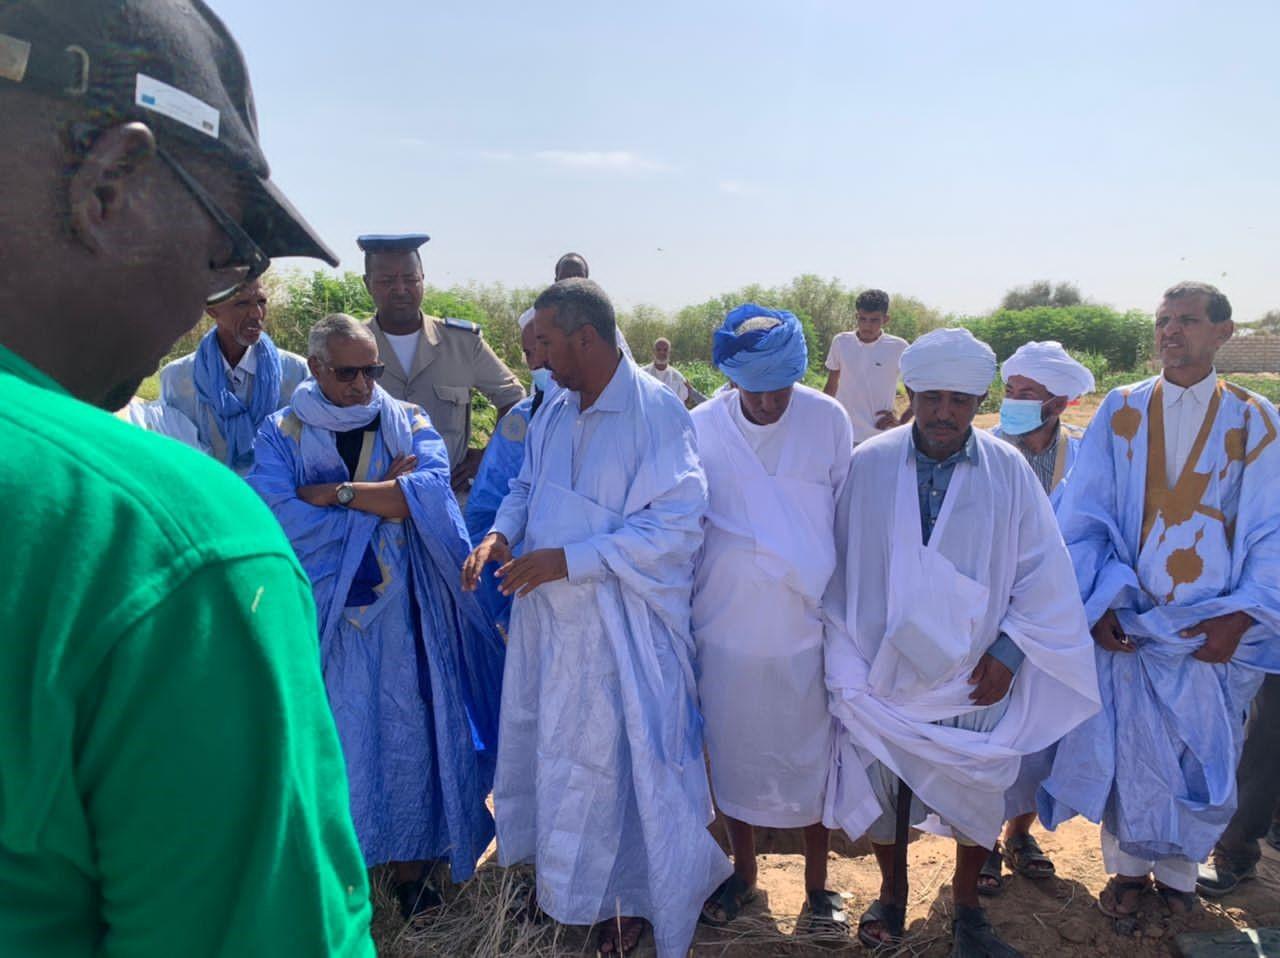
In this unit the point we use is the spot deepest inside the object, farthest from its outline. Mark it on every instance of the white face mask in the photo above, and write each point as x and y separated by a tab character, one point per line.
542	379
1021	416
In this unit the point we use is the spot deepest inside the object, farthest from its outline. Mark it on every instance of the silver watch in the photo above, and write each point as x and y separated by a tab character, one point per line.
346	492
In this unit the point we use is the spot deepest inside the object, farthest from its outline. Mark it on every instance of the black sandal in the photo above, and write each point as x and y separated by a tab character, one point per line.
825	916
992	870
893	918
1027	858
732	894
1179	903
975	938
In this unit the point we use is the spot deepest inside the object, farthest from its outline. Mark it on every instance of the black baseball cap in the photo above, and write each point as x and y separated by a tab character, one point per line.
171	64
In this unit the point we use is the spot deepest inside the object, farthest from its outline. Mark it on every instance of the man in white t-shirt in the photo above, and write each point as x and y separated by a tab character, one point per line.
662	370
863	368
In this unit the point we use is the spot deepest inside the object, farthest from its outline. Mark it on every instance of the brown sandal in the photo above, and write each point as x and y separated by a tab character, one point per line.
1115	899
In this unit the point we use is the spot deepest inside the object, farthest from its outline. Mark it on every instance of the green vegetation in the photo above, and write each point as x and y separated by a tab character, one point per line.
1115	346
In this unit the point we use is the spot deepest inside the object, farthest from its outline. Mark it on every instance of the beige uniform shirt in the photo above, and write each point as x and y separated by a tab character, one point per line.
452	359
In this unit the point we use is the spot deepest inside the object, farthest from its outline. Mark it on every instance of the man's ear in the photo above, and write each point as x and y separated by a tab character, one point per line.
1227	332
1056	407
314	364
108	183
368	288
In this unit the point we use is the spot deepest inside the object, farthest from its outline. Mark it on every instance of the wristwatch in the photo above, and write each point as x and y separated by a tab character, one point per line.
346	492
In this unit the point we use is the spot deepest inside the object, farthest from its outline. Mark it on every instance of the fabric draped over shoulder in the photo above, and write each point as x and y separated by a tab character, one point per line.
1158	765
766	561
601	781
906	624
441	654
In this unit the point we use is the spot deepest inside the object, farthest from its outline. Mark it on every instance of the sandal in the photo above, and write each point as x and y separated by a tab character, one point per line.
991	875
975	938
1120	898
620	936
825	915
892	918
728	898
1178	902
1027	858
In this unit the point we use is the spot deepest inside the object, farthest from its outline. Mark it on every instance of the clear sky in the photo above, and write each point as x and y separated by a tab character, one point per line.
943	150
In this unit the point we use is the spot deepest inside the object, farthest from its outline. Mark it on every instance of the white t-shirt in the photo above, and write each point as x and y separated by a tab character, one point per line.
868	378
671	378
767	442
405	347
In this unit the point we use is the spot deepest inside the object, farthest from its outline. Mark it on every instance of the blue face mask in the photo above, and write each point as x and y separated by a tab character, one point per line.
542	379
1021	416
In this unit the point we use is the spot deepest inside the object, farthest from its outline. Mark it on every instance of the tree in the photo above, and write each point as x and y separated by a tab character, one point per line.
1268	324
1042	293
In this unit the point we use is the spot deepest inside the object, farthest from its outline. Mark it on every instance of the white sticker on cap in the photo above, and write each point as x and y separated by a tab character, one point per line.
159	97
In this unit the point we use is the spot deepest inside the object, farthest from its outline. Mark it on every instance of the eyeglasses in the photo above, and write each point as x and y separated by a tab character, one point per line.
247	260
347	374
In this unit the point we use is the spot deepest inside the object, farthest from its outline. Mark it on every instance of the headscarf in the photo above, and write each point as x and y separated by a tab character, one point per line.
949	359
1052	367
237	422
761	360
312	406
525	318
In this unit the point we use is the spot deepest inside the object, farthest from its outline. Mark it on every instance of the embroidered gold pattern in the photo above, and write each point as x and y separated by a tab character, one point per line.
1126	421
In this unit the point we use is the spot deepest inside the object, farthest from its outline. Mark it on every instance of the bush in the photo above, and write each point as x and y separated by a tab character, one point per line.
1122	339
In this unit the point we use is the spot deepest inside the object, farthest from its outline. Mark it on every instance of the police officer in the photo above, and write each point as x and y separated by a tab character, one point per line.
432	362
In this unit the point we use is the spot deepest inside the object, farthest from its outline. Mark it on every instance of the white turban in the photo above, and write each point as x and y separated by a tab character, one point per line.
526	318
1051	366
951	360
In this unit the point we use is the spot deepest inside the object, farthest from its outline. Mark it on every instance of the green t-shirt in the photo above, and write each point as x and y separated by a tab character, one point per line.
170	778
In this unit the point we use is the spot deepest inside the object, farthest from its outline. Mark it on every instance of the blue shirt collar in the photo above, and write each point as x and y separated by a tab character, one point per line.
968	451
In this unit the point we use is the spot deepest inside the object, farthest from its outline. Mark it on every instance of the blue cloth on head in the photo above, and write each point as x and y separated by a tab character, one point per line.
764	359
238	423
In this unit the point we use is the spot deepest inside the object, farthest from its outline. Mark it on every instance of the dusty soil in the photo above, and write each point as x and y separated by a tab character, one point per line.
1058	917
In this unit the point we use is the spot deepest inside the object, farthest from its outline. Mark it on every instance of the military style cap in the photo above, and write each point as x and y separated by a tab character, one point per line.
171	64
391	242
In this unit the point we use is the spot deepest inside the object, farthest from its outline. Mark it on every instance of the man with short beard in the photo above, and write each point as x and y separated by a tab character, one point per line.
235	379
170	777
600	781
1172	516
952	649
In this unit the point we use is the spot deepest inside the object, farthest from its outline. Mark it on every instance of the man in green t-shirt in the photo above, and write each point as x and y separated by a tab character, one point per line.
170	778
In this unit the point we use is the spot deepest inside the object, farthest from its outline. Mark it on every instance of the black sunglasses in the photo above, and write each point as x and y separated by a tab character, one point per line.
247	260
346	374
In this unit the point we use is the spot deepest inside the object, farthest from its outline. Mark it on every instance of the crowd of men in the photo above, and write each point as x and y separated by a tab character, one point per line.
318	632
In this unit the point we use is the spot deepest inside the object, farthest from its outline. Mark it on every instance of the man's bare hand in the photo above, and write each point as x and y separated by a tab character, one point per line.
466	470
885	419
991	680
521	576
401	465
321	494
492	548
1108	634
1222	636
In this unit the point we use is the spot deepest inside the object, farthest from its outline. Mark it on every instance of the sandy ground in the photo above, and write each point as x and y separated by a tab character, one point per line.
1057	917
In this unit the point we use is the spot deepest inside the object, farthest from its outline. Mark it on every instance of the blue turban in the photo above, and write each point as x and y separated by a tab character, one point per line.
761	360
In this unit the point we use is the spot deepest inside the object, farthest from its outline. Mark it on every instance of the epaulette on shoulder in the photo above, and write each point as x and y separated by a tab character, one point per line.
463	325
